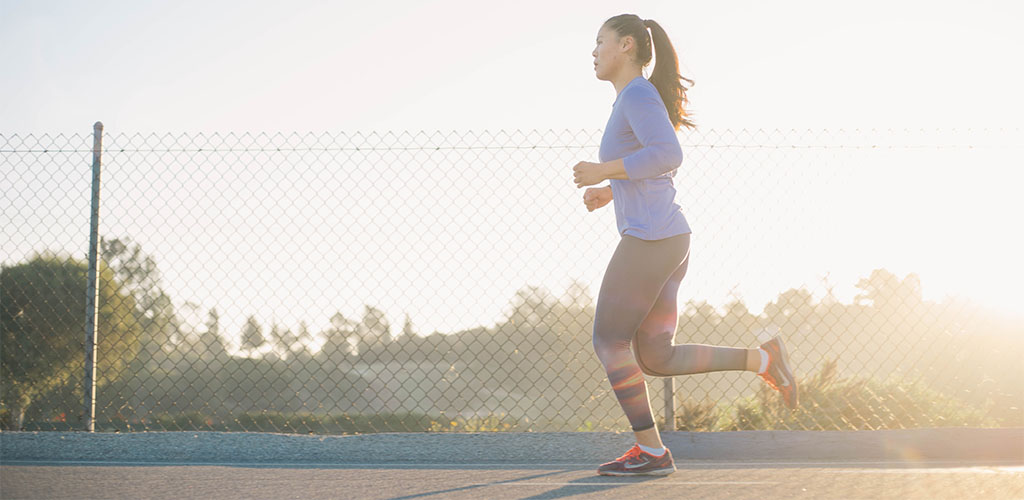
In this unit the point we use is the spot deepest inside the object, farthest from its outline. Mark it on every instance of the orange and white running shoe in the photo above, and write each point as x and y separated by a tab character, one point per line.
637	462
779	375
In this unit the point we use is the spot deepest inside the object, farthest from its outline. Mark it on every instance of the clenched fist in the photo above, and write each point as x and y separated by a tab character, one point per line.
595	198
586	173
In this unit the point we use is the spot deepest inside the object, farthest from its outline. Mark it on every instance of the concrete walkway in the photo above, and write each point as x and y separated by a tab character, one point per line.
978	445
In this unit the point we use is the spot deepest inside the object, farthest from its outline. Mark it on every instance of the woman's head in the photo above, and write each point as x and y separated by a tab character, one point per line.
625	40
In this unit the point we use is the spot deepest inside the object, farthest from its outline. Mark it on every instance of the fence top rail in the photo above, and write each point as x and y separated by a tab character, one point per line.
495	148
517	140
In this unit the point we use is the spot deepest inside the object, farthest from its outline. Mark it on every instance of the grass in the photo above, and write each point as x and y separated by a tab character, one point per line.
827	402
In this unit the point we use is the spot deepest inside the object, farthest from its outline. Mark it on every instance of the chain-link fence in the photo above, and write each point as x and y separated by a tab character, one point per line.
340	283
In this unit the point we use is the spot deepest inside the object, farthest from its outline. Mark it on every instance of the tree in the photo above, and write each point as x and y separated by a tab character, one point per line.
530	306
884	289
283	340
187	339
408	331
42	329
300	346
795	305
252	335
575	310
210	339
737	322
339	339
374	329
699	320
138	274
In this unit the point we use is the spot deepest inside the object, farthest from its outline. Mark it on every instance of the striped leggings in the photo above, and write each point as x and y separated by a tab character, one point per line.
637	306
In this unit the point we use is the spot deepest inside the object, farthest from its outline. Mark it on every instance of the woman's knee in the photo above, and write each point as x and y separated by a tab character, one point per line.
608	349
647	369
651	367
600	346
652	351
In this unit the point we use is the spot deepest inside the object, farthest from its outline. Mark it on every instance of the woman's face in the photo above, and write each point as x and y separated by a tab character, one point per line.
609	53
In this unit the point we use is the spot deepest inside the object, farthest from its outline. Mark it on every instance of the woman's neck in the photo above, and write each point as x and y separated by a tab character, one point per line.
623	79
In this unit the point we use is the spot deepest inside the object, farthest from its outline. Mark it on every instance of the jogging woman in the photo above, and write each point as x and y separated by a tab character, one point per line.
637	303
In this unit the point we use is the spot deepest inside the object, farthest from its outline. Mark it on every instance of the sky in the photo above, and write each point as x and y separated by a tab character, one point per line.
363	67
315	65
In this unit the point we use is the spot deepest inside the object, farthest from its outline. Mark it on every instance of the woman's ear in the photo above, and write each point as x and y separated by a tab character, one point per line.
626	43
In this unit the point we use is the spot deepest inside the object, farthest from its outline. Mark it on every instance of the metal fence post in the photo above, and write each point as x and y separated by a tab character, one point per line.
92	290
670	404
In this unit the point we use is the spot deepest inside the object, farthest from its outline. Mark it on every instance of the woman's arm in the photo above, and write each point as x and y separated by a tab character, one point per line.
649	121
659	153
595	198
586	173
615	169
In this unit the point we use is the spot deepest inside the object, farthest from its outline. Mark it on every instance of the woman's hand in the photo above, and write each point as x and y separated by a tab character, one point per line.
595	198
586	173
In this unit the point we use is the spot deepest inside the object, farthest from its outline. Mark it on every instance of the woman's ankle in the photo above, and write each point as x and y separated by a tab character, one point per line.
650	438
754	360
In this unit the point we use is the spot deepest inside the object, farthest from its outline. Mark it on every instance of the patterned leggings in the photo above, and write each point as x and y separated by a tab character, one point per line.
637	305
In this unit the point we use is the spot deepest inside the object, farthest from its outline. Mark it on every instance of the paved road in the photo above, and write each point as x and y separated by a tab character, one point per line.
914	463
695	479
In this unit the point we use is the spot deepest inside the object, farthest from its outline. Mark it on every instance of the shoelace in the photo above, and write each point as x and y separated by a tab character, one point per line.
633	452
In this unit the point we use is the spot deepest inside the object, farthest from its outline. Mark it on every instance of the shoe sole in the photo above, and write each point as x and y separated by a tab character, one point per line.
789	371
655	472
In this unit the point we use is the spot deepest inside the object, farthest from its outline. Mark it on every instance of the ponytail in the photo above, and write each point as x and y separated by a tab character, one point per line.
665	77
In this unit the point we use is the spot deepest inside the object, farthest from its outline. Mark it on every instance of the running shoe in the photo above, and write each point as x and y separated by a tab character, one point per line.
779	375
637	462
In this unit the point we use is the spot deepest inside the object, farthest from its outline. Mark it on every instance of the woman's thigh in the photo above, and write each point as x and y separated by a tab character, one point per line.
653	340
635	280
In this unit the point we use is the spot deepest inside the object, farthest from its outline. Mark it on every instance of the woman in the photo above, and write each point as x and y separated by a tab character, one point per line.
637	302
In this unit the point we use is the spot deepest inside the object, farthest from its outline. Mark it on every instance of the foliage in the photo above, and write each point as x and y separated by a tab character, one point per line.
42	320
533	371
830	402
490	423
697	416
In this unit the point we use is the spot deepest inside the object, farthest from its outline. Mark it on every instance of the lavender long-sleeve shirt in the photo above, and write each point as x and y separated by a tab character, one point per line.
640	132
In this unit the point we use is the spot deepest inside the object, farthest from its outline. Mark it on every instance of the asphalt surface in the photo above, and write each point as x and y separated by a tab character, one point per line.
732	480
922	463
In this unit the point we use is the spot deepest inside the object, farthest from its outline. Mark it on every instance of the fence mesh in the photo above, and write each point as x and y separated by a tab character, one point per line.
445	281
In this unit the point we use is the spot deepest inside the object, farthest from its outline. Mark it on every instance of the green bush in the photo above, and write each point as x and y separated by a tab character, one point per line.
702	416
306	423
829	402
490	423
290	423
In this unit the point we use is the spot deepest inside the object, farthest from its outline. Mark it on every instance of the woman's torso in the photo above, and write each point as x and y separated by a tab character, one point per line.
644	208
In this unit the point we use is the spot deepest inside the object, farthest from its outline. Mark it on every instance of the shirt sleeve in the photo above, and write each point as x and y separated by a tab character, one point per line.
660	152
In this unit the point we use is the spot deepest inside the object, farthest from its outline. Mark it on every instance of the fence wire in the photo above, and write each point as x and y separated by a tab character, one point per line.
445	281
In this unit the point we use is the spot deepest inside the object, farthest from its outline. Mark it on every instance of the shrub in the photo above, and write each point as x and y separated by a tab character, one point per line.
829	402
696	416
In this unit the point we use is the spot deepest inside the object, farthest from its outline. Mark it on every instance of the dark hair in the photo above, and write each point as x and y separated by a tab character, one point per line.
665	77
